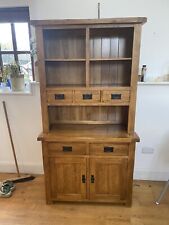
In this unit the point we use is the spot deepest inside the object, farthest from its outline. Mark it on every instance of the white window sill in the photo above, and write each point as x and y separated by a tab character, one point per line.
154	83
27	91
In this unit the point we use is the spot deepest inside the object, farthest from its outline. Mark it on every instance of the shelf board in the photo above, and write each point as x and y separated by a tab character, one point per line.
91	87
83	60
89	131
64	60
110	86
90	104
110	59
90	122
65	86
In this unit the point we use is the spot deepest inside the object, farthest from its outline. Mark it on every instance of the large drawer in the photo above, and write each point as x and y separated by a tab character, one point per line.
87	96
67	148
55	97
108	149
115	97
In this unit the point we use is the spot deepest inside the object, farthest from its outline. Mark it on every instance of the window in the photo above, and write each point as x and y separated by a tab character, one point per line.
14	39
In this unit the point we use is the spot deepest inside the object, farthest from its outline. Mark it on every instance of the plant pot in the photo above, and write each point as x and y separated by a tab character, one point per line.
17	83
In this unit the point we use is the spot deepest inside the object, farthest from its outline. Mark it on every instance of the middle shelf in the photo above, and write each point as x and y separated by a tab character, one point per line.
96	73
97	116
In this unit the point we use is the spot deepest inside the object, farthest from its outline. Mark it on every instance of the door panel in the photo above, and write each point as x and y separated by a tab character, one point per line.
68	178
108	178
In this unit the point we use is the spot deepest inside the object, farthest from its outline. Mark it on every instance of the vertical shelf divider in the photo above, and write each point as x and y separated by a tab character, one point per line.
87	56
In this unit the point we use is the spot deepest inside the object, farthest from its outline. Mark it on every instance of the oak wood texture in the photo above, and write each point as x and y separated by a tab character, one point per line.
110	179
116	97
27	206
54	97
67	148
42	78
71	96
129	20
87	96
108	149
134	71
66	175
88	77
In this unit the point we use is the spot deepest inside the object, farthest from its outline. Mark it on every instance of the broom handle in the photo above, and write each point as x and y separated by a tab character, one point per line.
10	135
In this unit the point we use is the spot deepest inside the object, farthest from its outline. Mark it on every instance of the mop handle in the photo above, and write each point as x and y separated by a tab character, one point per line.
11	140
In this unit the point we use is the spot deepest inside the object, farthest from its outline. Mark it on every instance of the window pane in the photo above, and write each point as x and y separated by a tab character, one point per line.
6	37
22	36
25	65
7	58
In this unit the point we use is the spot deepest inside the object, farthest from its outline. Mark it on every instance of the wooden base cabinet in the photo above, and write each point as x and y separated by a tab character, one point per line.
88	72
100	176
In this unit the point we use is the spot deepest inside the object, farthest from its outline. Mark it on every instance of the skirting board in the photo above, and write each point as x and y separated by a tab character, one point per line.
151	175
38	169
24	168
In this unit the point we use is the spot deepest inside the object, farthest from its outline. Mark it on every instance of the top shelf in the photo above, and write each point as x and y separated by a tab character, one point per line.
100	44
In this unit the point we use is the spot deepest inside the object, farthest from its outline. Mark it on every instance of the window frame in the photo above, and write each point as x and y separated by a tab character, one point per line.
16	18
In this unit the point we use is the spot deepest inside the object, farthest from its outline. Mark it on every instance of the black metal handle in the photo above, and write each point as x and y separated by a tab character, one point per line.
59	96
83	178
87	96
108	149
67	148
115	96
92	179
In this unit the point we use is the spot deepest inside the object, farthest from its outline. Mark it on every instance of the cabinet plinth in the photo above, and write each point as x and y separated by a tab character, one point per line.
88	80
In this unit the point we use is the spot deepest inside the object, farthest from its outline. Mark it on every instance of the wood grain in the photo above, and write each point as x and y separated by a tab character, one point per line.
129	20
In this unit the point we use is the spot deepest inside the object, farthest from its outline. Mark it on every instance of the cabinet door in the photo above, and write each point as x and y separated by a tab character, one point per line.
68	178
108	179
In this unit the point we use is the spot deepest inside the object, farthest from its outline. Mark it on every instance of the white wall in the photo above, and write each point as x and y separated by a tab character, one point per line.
152	125
155	44
25	121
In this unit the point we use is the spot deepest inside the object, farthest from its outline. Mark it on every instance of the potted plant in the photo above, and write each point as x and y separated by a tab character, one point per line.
5	77
16	77
5	73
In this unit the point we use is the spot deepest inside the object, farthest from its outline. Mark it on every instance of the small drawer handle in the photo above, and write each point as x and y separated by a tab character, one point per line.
59	96
83	179
67	148
92	179
87	96
115	96
108	149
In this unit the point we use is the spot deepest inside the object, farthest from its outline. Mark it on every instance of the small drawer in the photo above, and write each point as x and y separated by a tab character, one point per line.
108	149
67	148
87	96
59	97
116	96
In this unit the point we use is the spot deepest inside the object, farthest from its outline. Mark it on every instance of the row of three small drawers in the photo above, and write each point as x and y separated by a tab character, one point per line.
88	96
81	148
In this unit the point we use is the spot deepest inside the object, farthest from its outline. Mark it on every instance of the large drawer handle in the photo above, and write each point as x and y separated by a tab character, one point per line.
115	96
108	149
67	148
83	179
59	96
87	96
